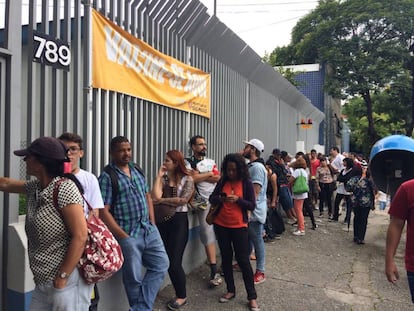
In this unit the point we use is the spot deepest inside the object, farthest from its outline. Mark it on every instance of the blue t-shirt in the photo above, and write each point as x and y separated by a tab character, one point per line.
258	175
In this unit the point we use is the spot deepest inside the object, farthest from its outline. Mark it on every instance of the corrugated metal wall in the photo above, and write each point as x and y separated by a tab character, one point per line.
248	98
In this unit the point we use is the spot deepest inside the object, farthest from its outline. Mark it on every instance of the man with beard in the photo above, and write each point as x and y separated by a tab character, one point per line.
129	214
258	174
205	175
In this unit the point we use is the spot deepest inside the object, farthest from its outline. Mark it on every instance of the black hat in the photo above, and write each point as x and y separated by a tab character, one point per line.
48	147
276	151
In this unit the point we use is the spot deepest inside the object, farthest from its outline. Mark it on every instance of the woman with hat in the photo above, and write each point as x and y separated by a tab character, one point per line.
55	226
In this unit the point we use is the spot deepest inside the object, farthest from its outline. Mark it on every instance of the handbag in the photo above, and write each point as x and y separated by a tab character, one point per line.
164	212
102	256
197	202
301	185
212	213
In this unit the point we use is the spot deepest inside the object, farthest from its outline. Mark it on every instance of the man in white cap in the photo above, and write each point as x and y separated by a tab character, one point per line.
258	174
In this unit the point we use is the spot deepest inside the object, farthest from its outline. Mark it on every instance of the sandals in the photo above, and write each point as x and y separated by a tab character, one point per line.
227	297
253	308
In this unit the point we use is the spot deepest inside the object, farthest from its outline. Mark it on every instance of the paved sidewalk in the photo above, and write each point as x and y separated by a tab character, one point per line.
323	270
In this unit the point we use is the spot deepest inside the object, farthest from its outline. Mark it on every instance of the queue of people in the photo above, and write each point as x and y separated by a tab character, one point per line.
245	188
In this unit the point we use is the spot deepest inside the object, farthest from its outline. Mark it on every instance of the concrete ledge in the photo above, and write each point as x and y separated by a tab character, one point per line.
111	292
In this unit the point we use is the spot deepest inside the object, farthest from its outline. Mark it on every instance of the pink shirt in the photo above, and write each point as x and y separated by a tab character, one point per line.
314	166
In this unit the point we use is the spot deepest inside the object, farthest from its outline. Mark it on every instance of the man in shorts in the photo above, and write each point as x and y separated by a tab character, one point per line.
205	175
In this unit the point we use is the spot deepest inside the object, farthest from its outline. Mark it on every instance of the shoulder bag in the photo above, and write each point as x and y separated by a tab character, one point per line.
300	185
197	202
102	256
212	213
164	212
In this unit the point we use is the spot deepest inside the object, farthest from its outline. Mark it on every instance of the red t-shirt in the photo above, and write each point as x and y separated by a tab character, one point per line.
230	215
314	166
402	207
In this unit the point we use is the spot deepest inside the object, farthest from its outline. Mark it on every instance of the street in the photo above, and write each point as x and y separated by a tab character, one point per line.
323	270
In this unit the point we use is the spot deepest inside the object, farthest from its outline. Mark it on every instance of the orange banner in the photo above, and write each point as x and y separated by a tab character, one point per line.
125	64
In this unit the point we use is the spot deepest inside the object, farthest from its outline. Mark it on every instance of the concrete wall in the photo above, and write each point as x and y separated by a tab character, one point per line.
111	291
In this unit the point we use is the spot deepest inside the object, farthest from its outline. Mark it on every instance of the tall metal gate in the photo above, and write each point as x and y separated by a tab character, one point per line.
248	98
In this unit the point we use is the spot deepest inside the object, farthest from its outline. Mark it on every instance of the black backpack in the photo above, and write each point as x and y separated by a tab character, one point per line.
114	179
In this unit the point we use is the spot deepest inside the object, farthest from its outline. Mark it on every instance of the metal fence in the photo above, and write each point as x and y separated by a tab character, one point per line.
248	98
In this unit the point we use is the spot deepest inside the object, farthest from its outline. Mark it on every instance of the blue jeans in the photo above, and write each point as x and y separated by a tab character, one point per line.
256	240
410	277
146	250
75	296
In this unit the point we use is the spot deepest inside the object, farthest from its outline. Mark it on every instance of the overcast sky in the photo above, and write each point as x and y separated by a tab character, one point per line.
262	24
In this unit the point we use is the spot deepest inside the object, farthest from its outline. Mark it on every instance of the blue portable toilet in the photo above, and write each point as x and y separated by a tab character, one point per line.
392	162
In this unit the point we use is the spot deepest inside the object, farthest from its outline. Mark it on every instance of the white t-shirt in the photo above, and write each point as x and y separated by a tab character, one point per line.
91	189
337	163
382	196
296	173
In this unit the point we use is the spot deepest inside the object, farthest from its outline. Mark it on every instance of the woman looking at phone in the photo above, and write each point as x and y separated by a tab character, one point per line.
235	194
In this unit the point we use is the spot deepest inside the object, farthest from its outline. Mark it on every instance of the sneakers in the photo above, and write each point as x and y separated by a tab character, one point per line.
298	232
268	239
216	281
259	277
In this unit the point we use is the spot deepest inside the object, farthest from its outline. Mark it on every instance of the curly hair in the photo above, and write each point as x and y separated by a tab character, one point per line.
238	159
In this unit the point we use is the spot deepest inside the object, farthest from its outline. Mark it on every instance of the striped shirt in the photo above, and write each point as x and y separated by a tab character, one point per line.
130	210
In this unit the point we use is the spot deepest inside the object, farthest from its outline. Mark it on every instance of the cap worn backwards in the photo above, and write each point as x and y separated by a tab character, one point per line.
48	147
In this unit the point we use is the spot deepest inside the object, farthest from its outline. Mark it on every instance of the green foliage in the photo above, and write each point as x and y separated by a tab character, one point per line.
22	204
367	46
290	75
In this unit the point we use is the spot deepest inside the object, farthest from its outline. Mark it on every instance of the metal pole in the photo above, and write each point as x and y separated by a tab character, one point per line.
87	69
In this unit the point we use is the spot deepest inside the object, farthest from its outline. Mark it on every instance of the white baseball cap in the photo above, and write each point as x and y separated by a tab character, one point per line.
258	144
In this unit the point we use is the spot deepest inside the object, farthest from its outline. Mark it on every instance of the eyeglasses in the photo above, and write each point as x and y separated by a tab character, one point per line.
202	144
73	149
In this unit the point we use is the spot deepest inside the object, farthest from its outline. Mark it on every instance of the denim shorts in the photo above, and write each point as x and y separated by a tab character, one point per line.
285	198
75	296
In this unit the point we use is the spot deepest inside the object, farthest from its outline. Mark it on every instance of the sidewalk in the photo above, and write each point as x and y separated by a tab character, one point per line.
323	270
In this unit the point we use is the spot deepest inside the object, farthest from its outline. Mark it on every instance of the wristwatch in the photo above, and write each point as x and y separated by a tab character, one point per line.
63	275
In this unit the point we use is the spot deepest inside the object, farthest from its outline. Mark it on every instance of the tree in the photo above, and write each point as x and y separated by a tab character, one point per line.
367	44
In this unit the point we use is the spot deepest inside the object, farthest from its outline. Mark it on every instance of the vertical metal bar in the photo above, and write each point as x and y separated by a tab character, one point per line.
65	79
87	54
55	104
30	70
12	113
